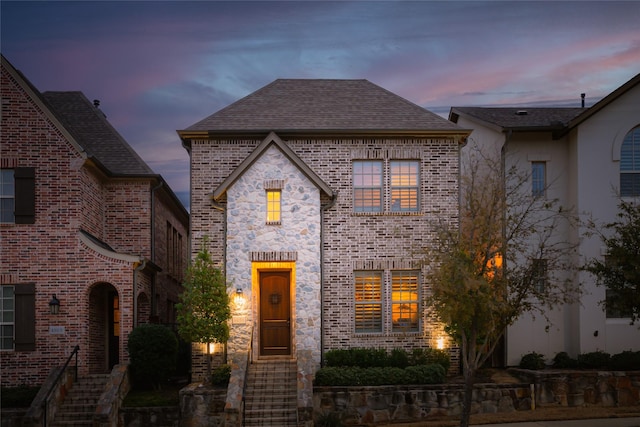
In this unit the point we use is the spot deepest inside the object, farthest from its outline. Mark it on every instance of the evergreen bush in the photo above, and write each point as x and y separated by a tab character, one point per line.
533	361
153	351
594	360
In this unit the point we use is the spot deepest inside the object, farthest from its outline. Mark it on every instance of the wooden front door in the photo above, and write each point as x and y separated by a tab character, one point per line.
275	313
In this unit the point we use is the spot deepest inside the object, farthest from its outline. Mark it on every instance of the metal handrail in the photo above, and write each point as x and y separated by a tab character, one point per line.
57	380
246	372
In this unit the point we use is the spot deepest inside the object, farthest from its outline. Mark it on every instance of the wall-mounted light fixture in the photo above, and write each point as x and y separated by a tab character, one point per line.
54	305
238	298
440	343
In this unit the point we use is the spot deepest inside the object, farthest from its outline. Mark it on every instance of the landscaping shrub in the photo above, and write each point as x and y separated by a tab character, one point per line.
220	375
625	361
426	374
153	350
357	376
533	361
398	358
427	356
18	397
562	360
331	419
376	357
594	360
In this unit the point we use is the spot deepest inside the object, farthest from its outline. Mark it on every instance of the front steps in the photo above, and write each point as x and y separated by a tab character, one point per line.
271	397
80	403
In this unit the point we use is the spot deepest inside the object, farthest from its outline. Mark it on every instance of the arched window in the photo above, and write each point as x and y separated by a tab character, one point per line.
630	164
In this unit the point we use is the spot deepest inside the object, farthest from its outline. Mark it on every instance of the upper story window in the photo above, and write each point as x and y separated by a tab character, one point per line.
7	195
540	274
538	179
175	252
630	164
274	199
17	195
405	179
367	186
375	181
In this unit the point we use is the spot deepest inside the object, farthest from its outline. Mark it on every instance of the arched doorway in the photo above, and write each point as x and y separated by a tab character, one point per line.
104	328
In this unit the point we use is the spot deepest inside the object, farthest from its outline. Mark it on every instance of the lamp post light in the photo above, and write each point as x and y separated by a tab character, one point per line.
54	305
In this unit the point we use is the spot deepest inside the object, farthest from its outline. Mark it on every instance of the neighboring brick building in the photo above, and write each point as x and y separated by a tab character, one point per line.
318	198
82	218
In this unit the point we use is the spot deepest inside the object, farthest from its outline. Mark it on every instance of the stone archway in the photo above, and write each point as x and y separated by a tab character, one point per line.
104	328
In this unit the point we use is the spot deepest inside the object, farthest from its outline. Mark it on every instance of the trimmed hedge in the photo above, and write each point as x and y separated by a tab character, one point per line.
375	376
378	357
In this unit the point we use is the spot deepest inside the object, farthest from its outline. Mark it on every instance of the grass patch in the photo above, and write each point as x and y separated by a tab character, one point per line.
167	396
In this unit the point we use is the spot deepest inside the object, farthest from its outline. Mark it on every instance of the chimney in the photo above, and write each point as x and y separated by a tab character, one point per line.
582	95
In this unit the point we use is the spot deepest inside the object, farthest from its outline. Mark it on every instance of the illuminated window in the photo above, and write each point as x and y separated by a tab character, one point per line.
368	301
405	176
367	186
538	179
630	164
404	301
273	206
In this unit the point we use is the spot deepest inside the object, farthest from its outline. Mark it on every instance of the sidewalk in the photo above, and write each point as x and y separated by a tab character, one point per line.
599	422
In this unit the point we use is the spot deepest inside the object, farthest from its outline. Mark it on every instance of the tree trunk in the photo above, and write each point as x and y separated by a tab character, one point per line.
469	376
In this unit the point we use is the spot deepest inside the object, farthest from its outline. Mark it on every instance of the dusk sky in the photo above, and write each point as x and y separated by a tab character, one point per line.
159	66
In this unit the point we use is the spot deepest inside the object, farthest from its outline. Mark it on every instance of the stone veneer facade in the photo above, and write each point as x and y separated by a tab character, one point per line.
329	241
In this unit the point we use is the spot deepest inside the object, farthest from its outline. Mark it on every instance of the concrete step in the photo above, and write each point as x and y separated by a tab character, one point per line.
271	394
80	403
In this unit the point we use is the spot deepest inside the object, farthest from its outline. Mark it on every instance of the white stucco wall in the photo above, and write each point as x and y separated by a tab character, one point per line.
299	232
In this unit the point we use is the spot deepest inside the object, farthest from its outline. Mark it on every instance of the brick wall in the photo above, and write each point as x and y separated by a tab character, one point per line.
71	193
350	240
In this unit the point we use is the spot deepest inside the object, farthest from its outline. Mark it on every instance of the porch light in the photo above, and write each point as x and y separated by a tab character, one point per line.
440	343
238	298
54	305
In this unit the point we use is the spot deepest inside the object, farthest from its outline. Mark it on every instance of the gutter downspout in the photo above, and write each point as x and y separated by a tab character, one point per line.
503	159
323	208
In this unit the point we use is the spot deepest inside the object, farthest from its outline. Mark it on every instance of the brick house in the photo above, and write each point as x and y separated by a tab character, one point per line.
317	197
587	158
85	221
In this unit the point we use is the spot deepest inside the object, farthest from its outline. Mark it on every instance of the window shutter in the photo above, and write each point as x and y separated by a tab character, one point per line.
25	207
25	317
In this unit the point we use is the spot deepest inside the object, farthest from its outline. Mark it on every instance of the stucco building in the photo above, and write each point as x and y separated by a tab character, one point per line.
587	158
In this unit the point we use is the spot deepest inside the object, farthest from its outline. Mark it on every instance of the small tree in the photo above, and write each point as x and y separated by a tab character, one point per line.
502	260
203	310
620	270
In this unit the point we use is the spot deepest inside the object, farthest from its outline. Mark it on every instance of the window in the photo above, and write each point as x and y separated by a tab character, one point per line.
405	177
540	276
630	164
371	188
175	253
273	206
614	300
7	317
538	179
17	195
17	317
404	301
367	186
368	304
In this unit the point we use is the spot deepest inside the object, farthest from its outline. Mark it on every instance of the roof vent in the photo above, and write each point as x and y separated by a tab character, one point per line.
96	103
522	113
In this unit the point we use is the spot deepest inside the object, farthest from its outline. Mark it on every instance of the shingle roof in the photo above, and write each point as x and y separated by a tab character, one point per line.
95	134
322	105
522	118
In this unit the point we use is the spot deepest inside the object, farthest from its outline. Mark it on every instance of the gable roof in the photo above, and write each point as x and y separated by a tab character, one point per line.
518	119
634	81
95	134
271	139
321	106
